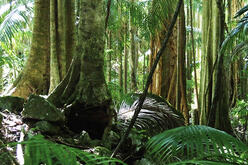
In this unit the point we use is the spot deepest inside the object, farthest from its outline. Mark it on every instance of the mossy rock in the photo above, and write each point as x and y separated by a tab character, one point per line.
48	128
12	103
38	108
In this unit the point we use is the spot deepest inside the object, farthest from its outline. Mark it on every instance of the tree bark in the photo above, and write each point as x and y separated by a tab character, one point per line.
35	76
181	69
62	39
125	58
219	112
133	49
206	63
164	78
194	56
83	93
109	55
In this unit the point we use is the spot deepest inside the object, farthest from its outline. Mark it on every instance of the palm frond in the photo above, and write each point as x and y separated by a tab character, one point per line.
195	142
239	33
41	151
4	8
155	116
200	162
240	49
241	11
159	12
148	16
15	21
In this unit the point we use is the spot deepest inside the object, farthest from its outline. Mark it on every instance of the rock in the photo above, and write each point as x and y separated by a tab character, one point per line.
12	103
38	108
48	128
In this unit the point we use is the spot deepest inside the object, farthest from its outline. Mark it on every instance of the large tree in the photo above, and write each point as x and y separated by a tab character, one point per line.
53	33
35	75
214	96
172	64
84	91
62	26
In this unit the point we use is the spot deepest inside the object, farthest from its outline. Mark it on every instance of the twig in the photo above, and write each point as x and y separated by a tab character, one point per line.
149	79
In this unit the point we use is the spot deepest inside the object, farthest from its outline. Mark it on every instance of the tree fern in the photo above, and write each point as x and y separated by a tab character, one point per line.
196	143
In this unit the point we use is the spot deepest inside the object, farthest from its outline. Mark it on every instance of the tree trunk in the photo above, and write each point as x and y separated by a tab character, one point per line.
62	39
189	62
219	112
133	50
84	91
206	63
35	75
120	72
165	76
109	55
181	69
125	57
214	83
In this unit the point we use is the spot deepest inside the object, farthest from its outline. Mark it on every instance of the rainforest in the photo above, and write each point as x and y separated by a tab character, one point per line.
123	82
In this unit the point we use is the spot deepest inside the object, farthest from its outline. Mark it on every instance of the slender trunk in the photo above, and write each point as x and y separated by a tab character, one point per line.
120	72
125	57
193	52
189	63
133	50
109	55
120	50
144	70
206	63
54	63
181	78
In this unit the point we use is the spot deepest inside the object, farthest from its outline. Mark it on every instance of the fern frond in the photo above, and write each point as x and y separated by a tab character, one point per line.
195	142
15	21
200	162
241	11
41	151
155	116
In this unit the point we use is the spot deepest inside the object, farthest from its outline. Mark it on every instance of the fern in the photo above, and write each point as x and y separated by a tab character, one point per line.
200	162
41	151
196	143
155	116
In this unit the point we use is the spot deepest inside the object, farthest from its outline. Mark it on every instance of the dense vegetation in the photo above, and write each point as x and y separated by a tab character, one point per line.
123	82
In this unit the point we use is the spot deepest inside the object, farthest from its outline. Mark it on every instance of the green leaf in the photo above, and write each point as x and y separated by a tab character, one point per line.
195	142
